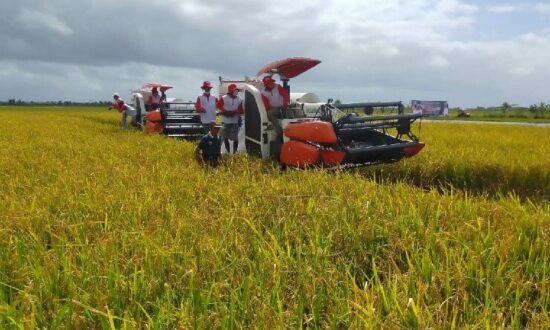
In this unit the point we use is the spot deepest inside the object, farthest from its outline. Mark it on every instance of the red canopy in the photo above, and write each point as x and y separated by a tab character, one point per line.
290	67
162	87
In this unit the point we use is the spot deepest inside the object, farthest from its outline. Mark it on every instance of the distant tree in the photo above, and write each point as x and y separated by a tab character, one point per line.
11	101
505	107
541	109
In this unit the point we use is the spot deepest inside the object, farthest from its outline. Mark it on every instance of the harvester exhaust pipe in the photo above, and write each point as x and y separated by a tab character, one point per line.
286	85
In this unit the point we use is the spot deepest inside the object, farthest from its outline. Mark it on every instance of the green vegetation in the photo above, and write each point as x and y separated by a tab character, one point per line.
104	228
534	114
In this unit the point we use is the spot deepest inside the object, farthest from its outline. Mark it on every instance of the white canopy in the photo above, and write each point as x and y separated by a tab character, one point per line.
304	98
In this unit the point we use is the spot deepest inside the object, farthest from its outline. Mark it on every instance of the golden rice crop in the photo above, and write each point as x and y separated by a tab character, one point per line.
480	159
104	228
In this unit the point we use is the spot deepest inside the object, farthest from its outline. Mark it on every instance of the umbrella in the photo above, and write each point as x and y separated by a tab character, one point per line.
162	87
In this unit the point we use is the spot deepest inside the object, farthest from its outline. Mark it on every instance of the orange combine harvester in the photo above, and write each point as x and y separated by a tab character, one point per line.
324	134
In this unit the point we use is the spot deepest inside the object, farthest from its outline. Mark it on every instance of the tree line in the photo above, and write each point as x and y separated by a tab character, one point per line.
541	109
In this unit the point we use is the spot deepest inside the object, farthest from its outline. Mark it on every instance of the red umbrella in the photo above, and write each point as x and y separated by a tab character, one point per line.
290	67
162	87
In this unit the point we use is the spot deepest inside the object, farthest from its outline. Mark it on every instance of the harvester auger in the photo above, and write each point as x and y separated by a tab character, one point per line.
174	117
322	134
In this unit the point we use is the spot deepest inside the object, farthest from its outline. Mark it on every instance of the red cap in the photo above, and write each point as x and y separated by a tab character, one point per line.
268	79
206	85
231	88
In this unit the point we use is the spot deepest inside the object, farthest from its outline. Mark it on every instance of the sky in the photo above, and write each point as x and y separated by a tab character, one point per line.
467	52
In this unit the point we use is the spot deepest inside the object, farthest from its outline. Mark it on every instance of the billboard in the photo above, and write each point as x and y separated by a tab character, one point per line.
430	108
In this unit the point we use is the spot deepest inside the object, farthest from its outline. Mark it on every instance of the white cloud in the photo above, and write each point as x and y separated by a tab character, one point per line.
521	71
40	81
533	38
37	20
439	61
543	8
503	8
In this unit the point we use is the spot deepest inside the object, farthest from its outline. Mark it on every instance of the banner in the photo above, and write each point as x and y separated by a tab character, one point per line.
430	108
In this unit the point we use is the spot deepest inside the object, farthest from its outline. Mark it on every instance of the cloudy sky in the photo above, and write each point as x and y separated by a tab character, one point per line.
469	52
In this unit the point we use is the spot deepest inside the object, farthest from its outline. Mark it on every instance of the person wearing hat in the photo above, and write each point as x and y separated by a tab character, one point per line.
275	99
117	101
206	106
208	150
231	108
154	101
121	107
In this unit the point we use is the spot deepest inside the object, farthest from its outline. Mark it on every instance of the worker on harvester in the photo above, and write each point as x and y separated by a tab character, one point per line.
206	106
154	101
231	108
276	100
123	108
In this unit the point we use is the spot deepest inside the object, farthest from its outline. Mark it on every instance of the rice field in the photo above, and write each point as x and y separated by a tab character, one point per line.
108	229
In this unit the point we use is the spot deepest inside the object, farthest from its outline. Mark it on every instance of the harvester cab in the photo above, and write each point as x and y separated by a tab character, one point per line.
321	133
173	116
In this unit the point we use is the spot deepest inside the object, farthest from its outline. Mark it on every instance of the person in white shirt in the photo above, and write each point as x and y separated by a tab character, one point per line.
206	106
275	99
231	108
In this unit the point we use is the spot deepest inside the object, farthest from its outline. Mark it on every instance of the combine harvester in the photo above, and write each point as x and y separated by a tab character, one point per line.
175	118
322	134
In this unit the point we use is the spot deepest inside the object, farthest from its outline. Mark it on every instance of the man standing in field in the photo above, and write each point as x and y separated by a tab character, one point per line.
123	108
206	106
276	99
209	149
231	108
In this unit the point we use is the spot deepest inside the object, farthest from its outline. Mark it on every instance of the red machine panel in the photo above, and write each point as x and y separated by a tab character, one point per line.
413	150
332	157
299	154
153	116
153	127
314	131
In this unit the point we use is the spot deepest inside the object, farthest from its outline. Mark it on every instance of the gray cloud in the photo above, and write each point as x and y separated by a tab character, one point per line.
371	50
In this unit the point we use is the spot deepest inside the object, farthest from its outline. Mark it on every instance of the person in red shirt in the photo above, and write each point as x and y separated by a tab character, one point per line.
154	101
276	99
123	108
117	102
231	108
